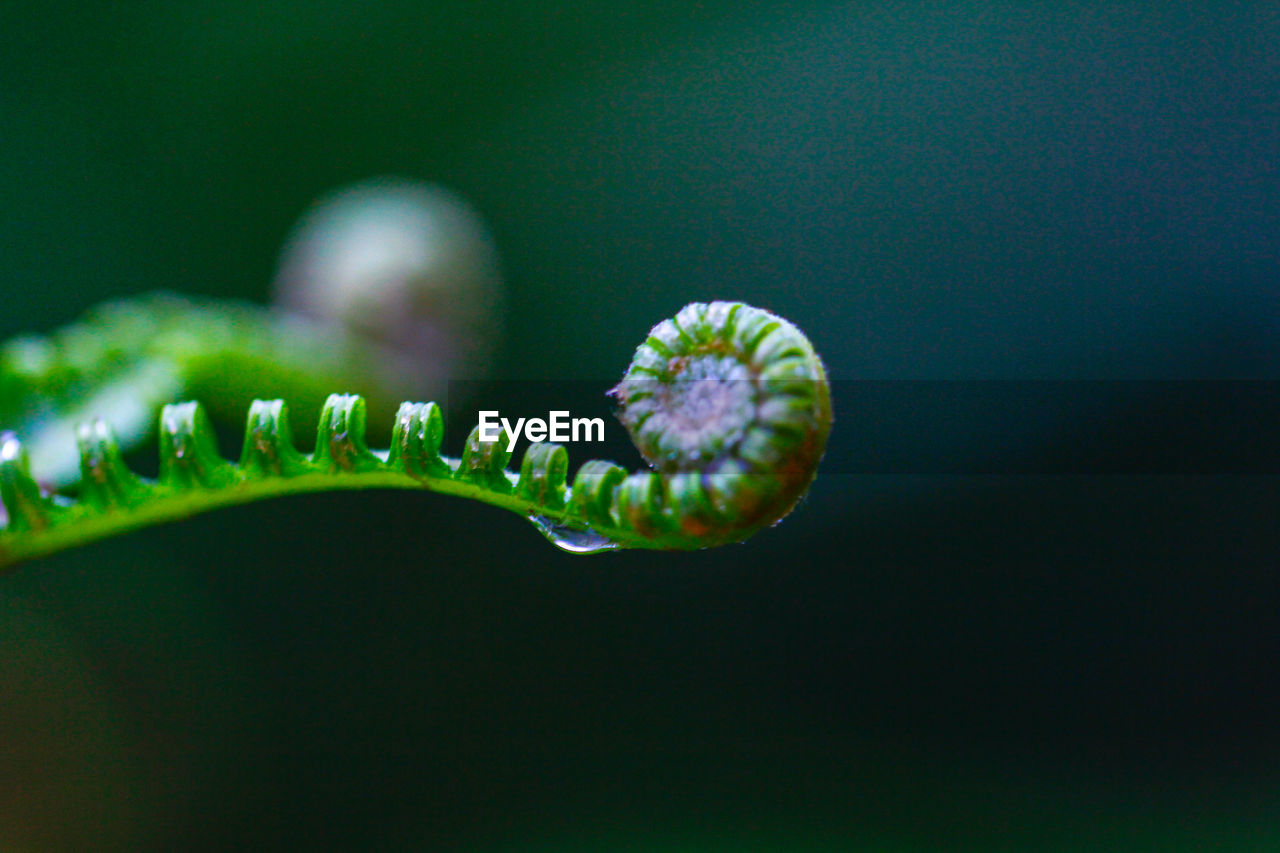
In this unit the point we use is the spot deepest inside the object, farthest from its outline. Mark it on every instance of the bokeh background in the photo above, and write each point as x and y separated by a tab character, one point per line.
964	190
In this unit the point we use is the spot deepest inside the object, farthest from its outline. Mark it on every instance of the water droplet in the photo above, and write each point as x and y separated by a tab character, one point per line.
10	447
572	539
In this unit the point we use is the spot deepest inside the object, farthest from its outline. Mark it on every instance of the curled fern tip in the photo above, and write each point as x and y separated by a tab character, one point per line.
730	405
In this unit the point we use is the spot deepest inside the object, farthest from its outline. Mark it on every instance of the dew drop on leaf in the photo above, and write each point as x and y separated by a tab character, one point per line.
572	539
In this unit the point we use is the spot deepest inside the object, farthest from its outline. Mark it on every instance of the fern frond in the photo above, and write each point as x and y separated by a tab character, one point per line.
728	402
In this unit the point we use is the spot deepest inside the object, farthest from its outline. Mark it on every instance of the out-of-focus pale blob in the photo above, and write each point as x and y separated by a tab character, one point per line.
408	266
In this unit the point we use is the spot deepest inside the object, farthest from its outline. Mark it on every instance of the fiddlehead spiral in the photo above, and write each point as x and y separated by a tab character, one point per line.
409	267
729	403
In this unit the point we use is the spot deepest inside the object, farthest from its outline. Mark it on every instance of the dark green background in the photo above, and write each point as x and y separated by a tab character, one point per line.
931	191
